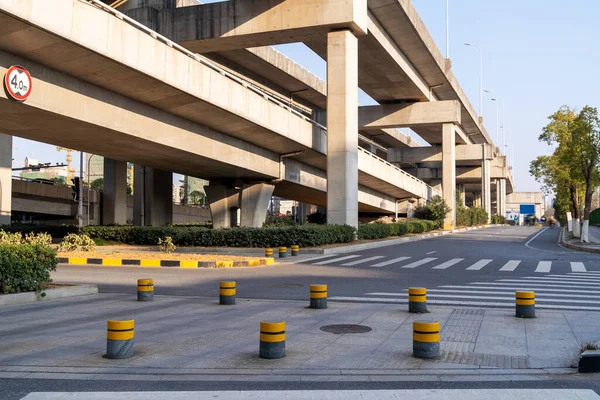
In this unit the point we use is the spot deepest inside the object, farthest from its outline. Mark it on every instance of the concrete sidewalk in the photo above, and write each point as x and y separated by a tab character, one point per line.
194	338
567	240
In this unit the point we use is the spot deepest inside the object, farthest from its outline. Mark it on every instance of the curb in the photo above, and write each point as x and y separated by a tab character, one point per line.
51	294
575	247
154	263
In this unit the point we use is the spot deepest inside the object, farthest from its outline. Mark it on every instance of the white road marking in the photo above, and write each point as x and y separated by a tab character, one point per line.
390	262
544	266
431	252
336	260
578	267
572	278
511	265
538	293
430	394
536	288
479	264
449	263
564	280
533	238
530	285
419	263
364	260
316	258
440	293
536	281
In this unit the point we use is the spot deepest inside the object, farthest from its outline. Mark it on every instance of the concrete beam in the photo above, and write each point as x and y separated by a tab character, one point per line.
240	24
409	115
463	174
224	201
469	152
5	179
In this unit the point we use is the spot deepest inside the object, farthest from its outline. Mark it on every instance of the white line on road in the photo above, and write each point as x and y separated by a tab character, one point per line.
566	279
537	289
544	266
479	264
420	262
538	293
533	238
364	260
431	252
572	278
390	262
531	285
511	265
316	258
336	260
449	263
578	267
441	293
551	281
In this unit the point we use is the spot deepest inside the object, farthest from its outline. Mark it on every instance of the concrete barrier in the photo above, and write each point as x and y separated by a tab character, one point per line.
417	300
426	339
272	340
145	289
525	304
119	339
318	297
227	293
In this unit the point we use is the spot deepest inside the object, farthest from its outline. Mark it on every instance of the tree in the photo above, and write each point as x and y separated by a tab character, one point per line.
196	197
572	171
98	184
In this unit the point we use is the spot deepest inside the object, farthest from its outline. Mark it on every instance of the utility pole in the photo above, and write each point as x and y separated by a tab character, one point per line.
80	194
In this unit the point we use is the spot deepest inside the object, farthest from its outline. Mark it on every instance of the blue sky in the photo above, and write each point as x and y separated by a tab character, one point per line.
538	55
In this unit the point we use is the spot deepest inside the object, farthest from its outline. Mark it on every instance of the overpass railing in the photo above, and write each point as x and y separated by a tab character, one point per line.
279	100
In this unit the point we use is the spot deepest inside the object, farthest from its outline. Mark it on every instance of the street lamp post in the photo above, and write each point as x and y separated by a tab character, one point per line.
480	77
447	28
88	188
497	100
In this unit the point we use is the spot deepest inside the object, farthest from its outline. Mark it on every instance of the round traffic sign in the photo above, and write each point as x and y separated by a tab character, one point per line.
17	83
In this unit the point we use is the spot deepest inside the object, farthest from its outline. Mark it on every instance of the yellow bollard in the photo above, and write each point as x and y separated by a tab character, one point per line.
417	300
145	289
119	339
272	340
282	252
426	339
318	297
268	252
525	304
295	250
227	293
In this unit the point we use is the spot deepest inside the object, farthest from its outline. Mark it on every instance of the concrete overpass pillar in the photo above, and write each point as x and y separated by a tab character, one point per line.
153	197
342	128
254	204
498	192
5	178
502	208
224	202
486	190
114	197
462	193
449	173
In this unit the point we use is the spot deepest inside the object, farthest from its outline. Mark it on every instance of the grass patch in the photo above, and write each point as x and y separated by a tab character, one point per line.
589	346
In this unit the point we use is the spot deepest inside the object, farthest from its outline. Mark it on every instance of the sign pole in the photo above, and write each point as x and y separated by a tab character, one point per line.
80	194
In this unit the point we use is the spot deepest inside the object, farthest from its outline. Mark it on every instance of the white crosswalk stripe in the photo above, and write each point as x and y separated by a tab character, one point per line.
578	267
448	264
364	260
558	292
419	263
317	258
511	265
336	260
544	266
390	262
479	264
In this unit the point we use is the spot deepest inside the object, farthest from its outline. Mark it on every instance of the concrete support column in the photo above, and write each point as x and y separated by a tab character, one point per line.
342	128
462	193
477	200
153	197
114	197
224	202
254	204
449	173
498	192
502	197
486	190
5	178
304	211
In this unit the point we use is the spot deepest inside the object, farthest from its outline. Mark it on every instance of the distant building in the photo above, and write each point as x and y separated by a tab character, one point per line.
50	173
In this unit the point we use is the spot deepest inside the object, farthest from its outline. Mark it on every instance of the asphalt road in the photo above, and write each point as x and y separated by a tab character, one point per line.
476	256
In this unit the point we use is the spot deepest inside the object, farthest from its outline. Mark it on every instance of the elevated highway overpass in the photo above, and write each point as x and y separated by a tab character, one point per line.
104	85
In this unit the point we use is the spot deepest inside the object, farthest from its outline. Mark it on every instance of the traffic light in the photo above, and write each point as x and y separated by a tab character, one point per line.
75	188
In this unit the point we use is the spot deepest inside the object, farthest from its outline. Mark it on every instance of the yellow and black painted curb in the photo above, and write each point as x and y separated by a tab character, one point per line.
152	263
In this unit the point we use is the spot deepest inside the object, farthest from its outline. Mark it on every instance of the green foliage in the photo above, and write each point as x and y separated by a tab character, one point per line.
381	231
436	211
274	221
98	185
166	245
302	235
471	216
40	238
10	238
25	267
196	197
74	242
498	220
56	231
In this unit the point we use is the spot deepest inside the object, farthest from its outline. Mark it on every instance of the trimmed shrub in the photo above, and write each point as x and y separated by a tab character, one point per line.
381	231
166	246
278	221
25	267
435	211
302	235
498	220
374	231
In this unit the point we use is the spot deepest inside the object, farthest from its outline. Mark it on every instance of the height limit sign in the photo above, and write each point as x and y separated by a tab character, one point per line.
17	83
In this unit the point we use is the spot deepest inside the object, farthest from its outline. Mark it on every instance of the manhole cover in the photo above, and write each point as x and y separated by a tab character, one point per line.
345	328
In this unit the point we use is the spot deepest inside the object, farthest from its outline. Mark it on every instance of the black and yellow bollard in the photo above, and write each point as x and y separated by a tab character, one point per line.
272	340
282	252
417	300
318	297
295	250
227	293
525	304
268	252
119	339
426	339
145	289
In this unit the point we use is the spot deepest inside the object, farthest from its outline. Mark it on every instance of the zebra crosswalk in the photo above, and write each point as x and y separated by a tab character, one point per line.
437	263
571	291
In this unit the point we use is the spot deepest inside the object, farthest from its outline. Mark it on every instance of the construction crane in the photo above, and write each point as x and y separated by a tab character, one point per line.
69	159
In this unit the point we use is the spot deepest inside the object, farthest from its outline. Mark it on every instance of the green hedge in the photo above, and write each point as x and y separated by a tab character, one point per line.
381	231
471	216
56	231
303	235
498	220
25	267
